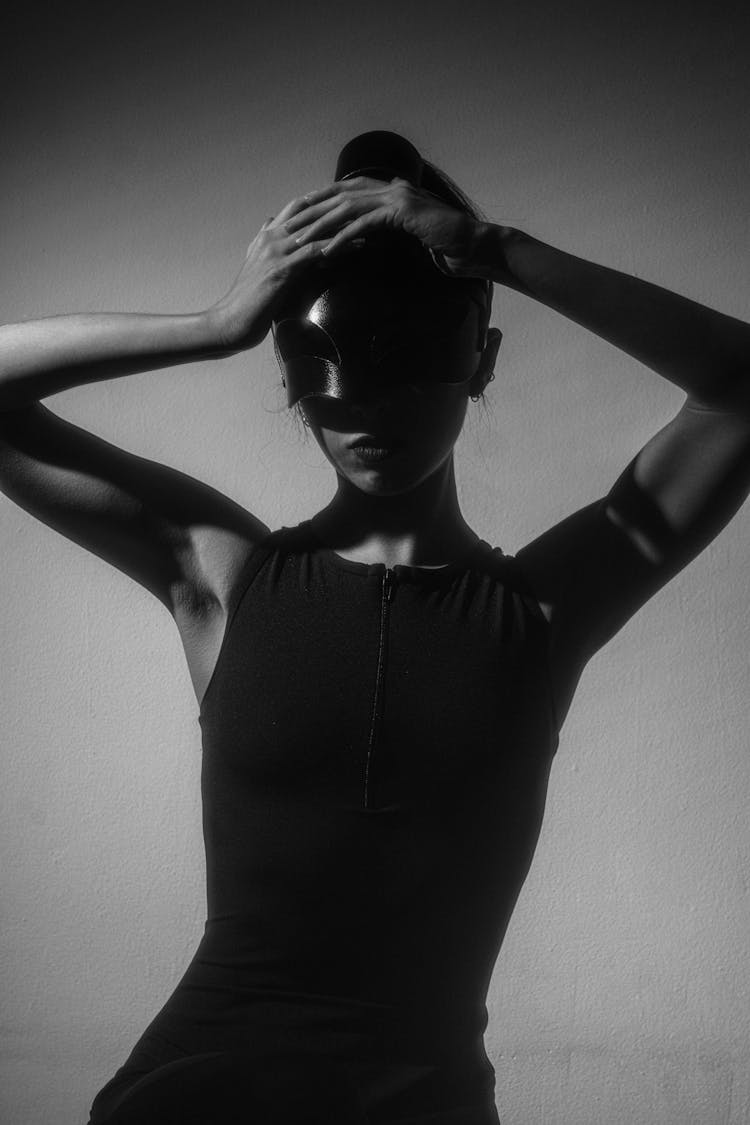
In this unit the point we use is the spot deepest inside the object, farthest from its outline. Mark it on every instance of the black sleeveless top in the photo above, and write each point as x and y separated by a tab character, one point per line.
376	748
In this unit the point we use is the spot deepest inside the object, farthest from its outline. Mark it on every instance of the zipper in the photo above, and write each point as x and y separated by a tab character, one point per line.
386	592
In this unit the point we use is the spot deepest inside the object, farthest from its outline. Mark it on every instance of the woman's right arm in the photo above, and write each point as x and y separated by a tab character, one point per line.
43	357
178	537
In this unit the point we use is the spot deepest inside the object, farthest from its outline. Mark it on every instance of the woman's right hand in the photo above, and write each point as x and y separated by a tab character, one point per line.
243	316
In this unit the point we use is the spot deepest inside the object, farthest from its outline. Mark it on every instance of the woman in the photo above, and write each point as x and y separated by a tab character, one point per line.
381	691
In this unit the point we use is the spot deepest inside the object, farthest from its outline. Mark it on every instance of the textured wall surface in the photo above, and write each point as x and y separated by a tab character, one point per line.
142	152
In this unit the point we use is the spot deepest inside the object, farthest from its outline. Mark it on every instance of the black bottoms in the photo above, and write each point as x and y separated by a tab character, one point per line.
223	1089
238	1088
221	1050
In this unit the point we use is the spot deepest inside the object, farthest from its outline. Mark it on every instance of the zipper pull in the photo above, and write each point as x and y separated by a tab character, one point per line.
388	583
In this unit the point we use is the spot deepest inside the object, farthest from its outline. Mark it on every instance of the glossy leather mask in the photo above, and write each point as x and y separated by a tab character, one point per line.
386	314
355	340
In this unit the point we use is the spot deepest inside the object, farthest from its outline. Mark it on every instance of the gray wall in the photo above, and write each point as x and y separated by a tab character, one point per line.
142	152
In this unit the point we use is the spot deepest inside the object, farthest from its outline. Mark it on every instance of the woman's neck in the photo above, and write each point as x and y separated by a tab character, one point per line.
423	527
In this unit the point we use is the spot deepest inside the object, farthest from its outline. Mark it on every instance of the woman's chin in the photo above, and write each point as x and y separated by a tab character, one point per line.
380	483
378	479
387	479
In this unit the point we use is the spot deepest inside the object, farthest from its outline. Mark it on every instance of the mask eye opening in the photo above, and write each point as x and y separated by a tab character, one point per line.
294	338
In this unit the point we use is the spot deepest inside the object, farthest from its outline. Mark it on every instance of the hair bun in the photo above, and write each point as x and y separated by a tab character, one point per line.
382	155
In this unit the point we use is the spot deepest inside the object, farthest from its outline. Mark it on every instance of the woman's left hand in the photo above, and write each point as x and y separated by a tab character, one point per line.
357	207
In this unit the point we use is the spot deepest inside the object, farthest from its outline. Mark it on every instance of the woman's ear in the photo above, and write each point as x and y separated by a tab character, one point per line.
494	340
486	368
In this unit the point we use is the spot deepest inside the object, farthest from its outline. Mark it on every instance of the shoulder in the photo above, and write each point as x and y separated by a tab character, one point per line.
518	573
215	559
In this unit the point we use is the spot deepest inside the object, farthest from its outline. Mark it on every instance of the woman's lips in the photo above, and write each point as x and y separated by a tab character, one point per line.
370	448
375	453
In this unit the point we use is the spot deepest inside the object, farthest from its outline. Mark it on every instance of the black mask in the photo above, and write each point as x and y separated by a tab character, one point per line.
386	314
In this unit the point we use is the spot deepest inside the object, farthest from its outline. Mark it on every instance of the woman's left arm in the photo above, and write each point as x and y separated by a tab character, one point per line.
704	352
596	568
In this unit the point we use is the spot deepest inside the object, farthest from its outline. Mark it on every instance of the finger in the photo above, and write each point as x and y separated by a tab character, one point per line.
323	193
354	231
339	186
342	248
293	207
341	253
362	181
310	200
314	251
330	222
312	212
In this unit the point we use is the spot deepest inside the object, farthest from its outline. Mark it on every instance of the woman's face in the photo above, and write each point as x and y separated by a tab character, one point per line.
392	352
417	423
